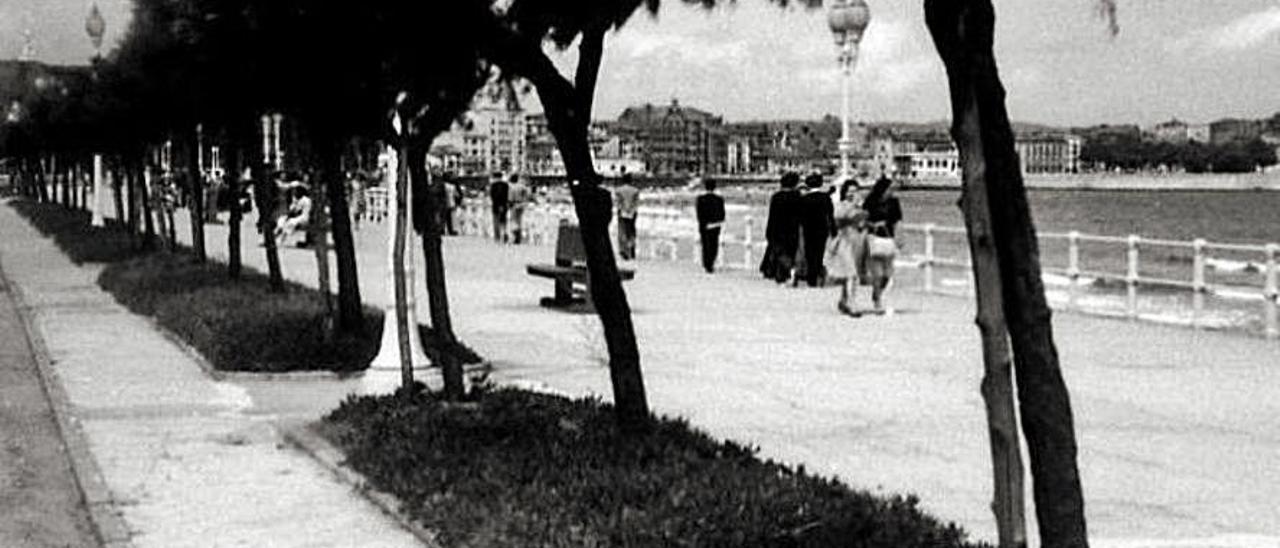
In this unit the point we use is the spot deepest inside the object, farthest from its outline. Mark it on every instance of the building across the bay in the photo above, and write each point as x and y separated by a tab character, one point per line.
490	139
675	139
1229	130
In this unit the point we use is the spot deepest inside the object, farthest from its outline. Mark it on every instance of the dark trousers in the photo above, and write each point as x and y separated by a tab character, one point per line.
710	247
448	222
814	250
500	224
627	238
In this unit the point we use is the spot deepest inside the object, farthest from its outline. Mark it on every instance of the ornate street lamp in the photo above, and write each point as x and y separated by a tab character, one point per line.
847	19
96	26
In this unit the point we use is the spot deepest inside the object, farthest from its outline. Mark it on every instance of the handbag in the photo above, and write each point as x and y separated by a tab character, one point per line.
881	247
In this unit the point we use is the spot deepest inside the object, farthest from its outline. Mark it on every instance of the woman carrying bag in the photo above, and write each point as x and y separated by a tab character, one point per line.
879	249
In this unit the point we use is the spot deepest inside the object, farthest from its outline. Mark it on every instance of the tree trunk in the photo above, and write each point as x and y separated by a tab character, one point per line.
133	219
429	197
117	192
568	109
997	382
350	307
148	223
195	188
318	233
266	198
963	31
401	227
231	180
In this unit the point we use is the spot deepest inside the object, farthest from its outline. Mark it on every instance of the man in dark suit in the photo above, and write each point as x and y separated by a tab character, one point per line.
498	189
710	208
818	223
782	230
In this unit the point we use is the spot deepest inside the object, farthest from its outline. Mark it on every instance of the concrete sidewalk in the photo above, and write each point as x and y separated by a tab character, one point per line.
183	461
1177	430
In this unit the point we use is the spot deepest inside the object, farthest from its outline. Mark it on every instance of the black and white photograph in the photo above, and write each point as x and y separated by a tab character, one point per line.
639	273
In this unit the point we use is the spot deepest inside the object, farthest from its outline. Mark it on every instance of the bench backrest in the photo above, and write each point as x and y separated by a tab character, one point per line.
569	250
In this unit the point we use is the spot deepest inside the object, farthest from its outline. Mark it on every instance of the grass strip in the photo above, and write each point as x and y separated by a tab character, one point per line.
238	325
518	469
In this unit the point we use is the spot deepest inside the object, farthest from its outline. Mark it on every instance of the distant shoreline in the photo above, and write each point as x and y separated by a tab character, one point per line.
1095	181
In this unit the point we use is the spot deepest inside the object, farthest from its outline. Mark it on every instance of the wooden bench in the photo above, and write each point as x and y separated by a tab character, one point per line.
572	282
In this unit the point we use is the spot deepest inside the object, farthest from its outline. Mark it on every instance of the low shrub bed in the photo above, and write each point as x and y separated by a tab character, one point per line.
514	468
238	325
70	230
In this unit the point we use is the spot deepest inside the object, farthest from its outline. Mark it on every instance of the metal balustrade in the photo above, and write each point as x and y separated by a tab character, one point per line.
668	234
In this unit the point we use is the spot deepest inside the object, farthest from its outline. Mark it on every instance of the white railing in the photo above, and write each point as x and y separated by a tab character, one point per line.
1199	254
671	234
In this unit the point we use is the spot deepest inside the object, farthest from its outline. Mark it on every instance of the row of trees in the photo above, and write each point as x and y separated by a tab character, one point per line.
1135	153
402	71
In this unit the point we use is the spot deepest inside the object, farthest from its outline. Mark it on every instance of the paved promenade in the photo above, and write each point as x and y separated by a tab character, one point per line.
1179	442
1177	428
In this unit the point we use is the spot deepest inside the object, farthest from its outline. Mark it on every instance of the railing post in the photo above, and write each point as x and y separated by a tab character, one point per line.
1132	279
1272	293
1073	269
1198	287
746	242
928	257
675	249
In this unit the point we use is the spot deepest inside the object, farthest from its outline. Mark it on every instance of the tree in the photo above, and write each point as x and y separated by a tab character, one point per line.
513	41
963	31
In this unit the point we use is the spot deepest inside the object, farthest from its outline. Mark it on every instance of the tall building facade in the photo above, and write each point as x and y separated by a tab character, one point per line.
675	139
491	138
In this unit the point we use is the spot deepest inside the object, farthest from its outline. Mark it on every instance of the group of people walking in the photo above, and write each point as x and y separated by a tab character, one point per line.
508	199
850	240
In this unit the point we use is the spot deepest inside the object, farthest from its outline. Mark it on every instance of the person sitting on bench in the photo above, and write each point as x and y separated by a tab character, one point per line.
298	217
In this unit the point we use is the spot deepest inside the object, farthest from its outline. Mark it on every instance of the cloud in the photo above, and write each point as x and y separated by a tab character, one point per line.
688	49
1240	34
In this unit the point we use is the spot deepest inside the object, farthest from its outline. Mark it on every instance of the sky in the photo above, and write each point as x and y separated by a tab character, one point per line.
1197	60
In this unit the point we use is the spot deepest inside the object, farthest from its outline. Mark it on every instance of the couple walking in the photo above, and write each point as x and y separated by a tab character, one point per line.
851	241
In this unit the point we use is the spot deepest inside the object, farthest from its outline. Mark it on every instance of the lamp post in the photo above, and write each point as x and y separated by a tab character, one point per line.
96	26
847	19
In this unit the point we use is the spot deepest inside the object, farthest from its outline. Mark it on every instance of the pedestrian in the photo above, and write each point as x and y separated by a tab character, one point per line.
816	226
879	251
782	230
498	194
452	201
710	211
627	197
355	197
518	195
843	252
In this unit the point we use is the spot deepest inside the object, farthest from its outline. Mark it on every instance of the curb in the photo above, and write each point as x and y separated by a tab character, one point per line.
109	526
302	436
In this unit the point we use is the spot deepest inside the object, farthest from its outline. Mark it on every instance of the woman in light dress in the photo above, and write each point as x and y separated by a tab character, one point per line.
846	249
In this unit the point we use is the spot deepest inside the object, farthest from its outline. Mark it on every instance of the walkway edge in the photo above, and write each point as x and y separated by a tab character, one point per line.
108	525
302	436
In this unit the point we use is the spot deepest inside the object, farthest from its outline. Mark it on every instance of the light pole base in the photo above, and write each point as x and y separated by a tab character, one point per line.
383	381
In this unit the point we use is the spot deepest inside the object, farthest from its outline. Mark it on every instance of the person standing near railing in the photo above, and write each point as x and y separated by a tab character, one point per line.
498	190
844	250
518	196
627	196
782	230
710	211
883	215
452	200
816	225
